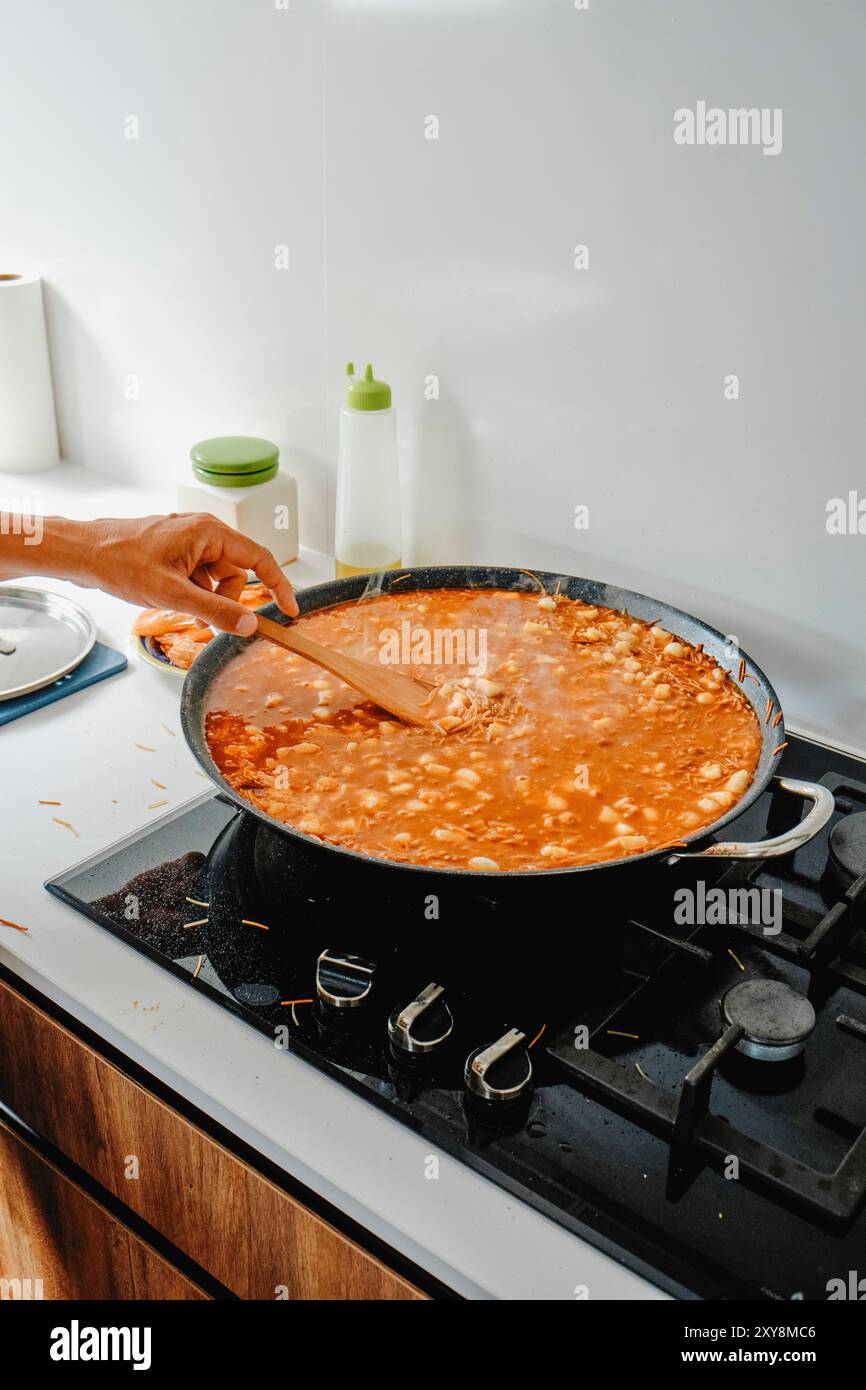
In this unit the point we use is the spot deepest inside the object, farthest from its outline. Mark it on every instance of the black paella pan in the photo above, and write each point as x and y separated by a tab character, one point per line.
755	684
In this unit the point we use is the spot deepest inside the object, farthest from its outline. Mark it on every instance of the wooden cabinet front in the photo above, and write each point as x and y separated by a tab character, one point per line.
247	1232
57	1242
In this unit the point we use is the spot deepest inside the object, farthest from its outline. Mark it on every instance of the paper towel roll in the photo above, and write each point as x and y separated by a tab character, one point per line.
28	429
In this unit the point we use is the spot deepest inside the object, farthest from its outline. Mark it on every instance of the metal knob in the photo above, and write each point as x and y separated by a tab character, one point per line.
343	981
422	1026
502	1071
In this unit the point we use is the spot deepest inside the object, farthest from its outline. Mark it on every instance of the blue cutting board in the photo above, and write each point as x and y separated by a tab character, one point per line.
100	662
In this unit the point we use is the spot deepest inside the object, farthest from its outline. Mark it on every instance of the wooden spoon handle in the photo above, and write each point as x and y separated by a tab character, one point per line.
391	689
287	636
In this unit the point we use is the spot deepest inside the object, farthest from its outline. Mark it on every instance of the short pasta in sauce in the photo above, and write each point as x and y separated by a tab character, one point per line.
605	736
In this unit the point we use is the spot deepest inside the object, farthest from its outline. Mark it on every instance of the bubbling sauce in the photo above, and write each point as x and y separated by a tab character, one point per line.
605	737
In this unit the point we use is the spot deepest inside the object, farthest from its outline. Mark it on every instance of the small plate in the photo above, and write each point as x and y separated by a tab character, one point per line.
147	649
42	637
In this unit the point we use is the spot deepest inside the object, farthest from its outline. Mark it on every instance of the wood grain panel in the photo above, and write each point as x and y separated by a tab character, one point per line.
50	1230
247	1232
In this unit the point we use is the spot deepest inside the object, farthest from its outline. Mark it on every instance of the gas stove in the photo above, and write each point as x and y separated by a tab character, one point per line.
674	1070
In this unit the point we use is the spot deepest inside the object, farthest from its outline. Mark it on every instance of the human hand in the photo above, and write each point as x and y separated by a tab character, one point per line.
190	562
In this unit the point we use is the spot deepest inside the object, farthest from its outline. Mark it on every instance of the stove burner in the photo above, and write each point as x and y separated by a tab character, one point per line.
848	848
776	1019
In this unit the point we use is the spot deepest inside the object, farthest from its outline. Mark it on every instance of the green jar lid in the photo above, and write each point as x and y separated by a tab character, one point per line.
367	394
235	460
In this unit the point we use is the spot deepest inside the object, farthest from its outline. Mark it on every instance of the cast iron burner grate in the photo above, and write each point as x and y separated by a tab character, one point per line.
713	1173
815	940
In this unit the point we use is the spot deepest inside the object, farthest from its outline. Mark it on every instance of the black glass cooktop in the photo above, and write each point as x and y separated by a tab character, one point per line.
671	1065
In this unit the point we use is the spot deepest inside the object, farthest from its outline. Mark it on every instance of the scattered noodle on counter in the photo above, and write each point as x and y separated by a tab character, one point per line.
66	825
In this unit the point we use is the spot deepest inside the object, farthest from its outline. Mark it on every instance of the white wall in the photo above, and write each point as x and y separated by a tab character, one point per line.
454	257
158	252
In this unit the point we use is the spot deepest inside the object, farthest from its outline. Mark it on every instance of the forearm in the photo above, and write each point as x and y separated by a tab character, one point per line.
190	563
50	546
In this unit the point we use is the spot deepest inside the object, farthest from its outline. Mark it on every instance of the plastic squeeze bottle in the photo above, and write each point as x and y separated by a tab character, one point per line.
367	535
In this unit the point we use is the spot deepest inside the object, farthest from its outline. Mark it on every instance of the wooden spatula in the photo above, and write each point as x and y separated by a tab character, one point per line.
393	690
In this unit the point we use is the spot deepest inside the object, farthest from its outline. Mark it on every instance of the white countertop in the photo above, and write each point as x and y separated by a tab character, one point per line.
81	751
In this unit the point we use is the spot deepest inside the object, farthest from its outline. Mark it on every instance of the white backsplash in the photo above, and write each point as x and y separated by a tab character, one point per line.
167	318
453	258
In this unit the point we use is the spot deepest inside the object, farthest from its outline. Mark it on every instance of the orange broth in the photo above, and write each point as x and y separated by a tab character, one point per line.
605	736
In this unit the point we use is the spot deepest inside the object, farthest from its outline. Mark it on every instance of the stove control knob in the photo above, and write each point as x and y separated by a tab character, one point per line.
344	982
500	1072
422	1027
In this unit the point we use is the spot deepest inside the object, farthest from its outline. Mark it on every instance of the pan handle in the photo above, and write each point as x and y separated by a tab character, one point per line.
822	809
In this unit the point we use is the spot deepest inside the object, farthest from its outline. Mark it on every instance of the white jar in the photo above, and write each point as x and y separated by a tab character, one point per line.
237	478
367	535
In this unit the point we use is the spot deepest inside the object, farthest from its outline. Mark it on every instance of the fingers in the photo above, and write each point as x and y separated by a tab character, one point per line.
229	587
239	550
215	553
232	586
215	608
228	579
222	568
